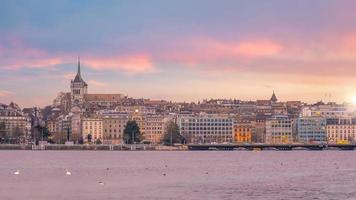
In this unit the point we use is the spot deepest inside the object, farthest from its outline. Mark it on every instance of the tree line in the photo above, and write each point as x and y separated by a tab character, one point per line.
131	135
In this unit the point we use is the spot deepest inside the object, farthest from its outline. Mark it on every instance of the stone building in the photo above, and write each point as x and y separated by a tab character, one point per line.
92	129
243	131
279	130
13	122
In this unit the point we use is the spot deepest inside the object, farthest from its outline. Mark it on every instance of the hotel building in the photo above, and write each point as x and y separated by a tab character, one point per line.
92	126
341	130
311	129
206	128
279	130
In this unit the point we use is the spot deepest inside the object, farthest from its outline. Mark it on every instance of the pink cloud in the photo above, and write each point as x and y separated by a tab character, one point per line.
204	50
97	83
132	64
5	93
16	54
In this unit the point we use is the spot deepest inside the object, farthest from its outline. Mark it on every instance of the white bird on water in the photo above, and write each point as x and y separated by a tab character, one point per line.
17	172
68	173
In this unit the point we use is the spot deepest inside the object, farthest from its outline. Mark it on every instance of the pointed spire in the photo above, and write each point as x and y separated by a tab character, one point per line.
274	98
78	77
79	65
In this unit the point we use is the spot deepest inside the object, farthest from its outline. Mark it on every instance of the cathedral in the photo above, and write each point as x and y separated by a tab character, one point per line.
78	88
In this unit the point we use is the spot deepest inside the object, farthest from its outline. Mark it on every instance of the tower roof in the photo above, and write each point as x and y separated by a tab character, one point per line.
274	98
78	77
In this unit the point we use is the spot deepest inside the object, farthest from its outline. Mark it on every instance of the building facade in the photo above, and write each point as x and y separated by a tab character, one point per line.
341	130
78	87
14	123
243	131
279	130
206	128
311	129
113	127
92	129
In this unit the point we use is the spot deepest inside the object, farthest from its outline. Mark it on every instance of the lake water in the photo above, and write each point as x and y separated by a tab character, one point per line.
177	175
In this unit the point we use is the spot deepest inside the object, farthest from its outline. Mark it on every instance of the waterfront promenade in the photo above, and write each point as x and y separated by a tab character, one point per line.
199	147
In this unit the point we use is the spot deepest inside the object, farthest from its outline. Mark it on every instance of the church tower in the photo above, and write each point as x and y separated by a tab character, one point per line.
273	98
78	87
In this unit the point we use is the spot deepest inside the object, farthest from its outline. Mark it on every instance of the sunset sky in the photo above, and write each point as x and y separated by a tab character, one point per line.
180	50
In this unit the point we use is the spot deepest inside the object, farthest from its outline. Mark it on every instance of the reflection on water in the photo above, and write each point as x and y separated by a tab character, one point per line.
177	175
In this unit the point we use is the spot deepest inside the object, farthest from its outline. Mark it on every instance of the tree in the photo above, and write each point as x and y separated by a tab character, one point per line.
17	133
172	135
2	131
89	137
98	141
80	140
43	133
132	132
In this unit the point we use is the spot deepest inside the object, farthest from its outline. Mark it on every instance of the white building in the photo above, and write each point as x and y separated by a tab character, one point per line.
206	128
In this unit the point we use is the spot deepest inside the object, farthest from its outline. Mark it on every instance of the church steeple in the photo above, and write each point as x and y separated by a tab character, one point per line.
78	77
273	98
79	66
78	86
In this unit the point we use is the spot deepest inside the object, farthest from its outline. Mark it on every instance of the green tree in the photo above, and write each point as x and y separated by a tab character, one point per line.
172	135
43	133
89	137
2	129
132	133
17	133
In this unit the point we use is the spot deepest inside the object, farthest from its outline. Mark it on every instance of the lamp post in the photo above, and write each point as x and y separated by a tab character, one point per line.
133	137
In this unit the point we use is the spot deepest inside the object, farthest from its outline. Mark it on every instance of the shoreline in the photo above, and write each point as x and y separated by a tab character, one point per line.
144	147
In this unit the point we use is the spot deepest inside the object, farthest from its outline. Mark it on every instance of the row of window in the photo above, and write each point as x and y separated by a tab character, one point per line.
207	128
210	120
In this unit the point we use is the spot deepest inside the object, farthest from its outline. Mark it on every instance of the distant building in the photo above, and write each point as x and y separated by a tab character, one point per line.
14	123
113	127
155	127
279	130
341	130
259	135
243	131
273	98
92	129
330	110
206	128
311	129
78	87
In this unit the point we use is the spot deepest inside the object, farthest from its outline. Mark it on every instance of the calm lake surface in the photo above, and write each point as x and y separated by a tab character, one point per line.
188	175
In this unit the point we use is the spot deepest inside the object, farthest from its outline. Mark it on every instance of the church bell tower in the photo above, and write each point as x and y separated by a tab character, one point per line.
78	87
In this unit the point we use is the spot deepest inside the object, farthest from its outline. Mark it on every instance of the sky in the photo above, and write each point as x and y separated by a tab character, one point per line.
179	50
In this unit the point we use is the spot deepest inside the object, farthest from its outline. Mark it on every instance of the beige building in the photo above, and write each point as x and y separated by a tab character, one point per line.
16	123
113	127
155	127
341	130
152	126
92	127
279	130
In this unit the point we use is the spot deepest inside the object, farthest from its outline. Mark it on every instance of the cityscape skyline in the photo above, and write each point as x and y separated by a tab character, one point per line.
179	51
